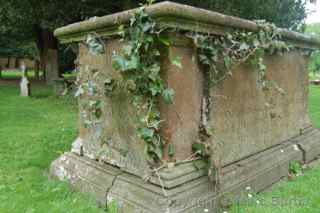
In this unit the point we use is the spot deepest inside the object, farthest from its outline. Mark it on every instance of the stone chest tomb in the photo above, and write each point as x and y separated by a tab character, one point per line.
248	126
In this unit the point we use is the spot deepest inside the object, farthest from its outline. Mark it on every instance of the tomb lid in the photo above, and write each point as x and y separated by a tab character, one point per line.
182	17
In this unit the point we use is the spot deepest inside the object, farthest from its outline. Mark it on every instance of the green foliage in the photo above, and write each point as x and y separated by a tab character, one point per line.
95	45
21	21
221	54
168	95
295	168
284	13
171	150
89	85
314	66
139	66
314	107
313	29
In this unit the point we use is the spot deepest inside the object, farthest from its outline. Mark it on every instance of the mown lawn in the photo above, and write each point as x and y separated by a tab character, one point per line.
15	74
35	131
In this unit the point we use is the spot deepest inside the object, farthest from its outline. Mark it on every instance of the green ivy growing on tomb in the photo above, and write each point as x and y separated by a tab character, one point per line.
139	66
140	75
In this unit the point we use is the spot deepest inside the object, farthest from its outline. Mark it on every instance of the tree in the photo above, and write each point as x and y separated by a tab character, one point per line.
34	20
314	29
284	13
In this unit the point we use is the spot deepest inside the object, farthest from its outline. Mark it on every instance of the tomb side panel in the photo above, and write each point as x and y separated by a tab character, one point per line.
247	119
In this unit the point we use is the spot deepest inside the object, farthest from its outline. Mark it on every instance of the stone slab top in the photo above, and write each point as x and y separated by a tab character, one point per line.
169	14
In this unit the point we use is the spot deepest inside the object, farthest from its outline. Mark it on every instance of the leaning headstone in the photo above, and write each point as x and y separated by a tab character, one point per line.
24	84
255	132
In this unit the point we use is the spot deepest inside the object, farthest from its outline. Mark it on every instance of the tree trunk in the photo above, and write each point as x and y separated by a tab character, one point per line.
17	63
36	71
48	48
8	62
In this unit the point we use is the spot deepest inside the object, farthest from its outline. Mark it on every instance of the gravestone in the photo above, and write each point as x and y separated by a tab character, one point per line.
59	87
257	133
24	83
52	68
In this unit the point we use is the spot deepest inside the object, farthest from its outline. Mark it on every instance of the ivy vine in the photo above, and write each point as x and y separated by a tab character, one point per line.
221	54
139	65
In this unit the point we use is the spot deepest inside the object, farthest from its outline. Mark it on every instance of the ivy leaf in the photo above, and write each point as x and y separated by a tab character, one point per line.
127	49
132	20
121	30
229	36
177	62
165	40
79	91
146	133
98	113
171	150
156	150
154	89
204	59
154	72
95	104
109	85
133	63
244	46
119	63
147	26
200	148
168	95
256	42
95	45
227	62
87	124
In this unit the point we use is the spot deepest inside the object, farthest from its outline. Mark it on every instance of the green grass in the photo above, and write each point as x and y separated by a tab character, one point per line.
313	28
31	74
33	132
314	105
299	196
315	62
17	74
314	76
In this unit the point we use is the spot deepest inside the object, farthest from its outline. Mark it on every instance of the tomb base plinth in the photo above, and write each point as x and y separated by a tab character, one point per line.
185	188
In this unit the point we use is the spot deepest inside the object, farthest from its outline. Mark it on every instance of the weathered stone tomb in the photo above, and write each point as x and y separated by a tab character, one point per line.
256	132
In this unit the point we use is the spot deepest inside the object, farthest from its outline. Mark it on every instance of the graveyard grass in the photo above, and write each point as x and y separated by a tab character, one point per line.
35	131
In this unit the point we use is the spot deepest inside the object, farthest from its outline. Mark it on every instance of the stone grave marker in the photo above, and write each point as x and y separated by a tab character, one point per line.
25	88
